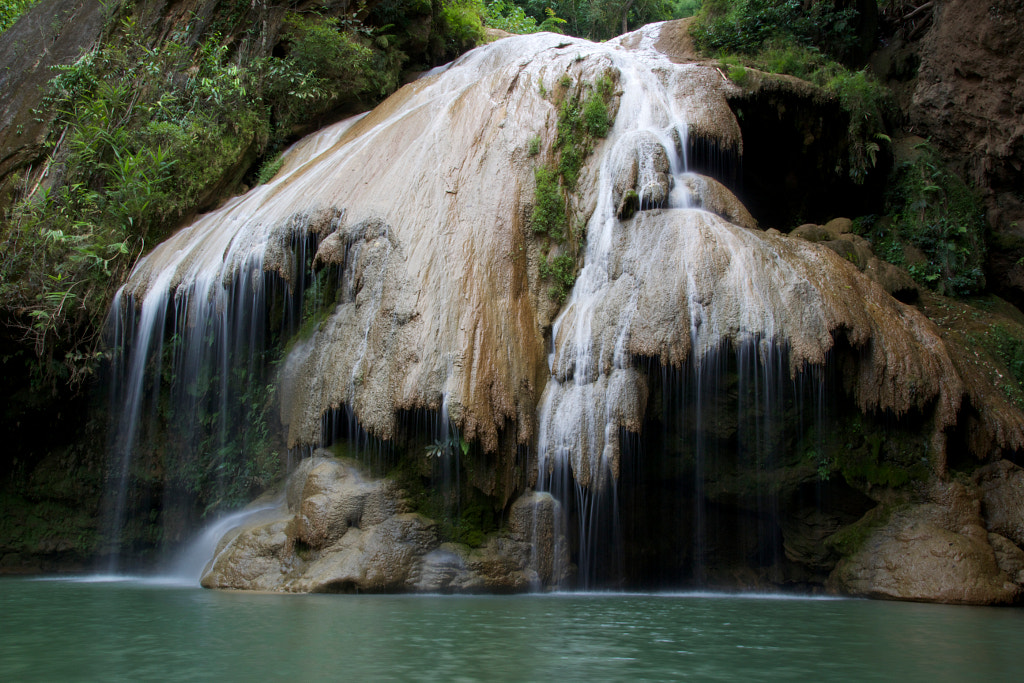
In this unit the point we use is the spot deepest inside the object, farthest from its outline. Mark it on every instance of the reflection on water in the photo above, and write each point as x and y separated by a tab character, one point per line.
143	630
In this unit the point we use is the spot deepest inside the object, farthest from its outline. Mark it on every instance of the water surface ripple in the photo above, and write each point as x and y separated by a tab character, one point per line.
134	630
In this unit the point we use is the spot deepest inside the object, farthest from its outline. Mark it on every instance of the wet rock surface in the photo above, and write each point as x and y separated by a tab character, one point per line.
935	551
838	236
337	530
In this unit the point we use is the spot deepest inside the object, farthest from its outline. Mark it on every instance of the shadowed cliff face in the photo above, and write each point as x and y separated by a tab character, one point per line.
968	99
424	209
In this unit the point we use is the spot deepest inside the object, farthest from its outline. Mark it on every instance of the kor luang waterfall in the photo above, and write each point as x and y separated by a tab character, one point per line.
672	423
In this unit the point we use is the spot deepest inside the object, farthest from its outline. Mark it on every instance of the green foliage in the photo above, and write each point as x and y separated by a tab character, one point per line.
864	100
548	206
145	137
269	168
571	141
782	41
595	115
507	16
747	26
580	123
324	50
328	61
11	11
936	213
602	19
136	150
533	149
463	514
736	72
462	22
561	270
217	431
1004	343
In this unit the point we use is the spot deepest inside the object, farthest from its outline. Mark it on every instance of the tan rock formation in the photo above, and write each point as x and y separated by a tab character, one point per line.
936	551
337	530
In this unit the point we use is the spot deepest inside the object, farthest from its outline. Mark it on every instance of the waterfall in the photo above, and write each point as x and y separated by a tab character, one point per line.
386	286
188	334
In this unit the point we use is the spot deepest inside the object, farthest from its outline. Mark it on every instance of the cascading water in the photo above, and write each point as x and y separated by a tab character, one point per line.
585	399
190	365
397	248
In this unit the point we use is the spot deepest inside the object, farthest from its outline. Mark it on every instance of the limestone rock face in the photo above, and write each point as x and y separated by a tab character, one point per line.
937	551
1002	485
337	530
1009	557
444	305
837	235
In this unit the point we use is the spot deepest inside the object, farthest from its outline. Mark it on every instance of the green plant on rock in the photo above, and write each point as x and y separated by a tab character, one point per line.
548	216
735	70
326	60
581	121
268	169
1004	343
865	101
533	149
561	270
145	137
787	37
11	11
938	218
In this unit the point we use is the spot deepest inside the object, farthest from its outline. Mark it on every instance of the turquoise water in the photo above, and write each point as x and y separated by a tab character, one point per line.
70	630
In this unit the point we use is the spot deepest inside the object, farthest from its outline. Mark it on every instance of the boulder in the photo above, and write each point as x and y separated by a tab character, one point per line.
707	193
338	530
936	551
1009	557
837	235
1002	486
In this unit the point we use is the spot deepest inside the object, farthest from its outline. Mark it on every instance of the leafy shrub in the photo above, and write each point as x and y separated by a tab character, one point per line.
326	62
534	147
11	11
548	206
507	16
562	271
142	138
595	115
320	47
580	123
865	101
269	169
746	26
939	215
462	24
